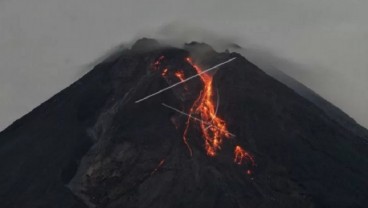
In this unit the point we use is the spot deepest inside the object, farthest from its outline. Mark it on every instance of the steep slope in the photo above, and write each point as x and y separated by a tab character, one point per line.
92	146
331	110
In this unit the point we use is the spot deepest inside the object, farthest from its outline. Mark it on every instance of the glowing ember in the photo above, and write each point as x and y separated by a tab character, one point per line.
241	156
158	166
249	172
164	72
157	63
180	75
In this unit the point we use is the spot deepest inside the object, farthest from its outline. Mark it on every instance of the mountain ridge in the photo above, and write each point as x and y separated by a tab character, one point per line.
91	146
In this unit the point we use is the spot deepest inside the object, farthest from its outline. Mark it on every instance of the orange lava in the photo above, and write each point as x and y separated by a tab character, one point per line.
157	63
158	166
241	156
213	128
180	75
164	72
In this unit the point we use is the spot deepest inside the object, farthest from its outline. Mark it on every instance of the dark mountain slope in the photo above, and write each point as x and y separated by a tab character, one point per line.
92	146
331	110
39	153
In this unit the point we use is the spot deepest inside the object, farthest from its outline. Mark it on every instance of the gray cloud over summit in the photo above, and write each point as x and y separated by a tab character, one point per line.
46	44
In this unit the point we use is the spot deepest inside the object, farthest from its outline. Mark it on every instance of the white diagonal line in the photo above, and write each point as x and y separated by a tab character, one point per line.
193	117
185	80
185	114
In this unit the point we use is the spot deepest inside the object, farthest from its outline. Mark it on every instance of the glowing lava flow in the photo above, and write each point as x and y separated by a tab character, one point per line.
203	110
213	128
180	75
205	107
241	156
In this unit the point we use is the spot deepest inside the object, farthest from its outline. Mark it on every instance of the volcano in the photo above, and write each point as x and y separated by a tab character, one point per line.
229	137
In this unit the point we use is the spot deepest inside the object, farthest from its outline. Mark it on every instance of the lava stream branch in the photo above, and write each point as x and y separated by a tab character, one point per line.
204	106
204	112
158	166
185	80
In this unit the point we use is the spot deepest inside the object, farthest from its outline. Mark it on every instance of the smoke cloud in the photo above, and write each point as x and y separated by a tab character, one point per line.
46	45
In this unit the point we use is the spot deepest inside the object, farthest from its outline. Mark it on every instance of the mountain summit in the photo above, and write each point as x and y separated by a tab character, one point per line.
229	137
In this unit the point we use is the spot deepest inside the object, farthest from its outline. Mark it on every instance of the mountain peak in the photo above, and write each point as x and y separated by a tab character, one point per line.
229	137
145	45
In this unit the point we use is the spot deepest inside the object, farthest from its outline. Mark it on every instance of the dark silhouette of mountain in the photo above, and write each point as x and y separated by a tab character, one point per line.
331	110
91	145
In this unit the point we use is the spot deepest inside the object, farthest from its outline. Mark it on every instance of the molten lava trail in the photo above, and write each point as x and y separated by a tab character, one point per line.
158	166
214	129
204	106
185	80
241	156
194	118
203	111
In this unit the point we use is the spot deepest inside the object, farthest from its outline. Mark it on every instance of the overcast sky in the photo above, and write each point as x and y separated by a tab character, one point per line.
45	45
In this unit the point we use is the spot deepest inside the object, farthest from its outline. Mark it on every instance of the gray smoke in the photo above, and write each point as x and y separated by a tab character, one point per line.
46	45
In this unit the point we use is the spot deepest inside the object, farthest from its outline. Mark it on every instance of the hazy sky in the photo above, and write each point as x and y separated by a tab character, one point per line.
45	45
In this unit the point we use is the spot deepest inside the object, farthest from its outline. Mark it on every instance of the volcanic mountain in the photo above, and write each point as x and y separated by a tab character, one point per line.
231	136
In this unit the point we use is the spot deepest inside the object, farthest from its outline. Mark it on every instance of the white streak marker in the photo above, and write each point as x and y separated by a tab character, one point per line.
185	80
194	118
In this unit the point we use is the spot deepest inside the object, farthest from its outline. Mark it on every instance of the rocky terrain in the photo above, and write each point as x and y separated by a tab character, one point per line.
92	145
